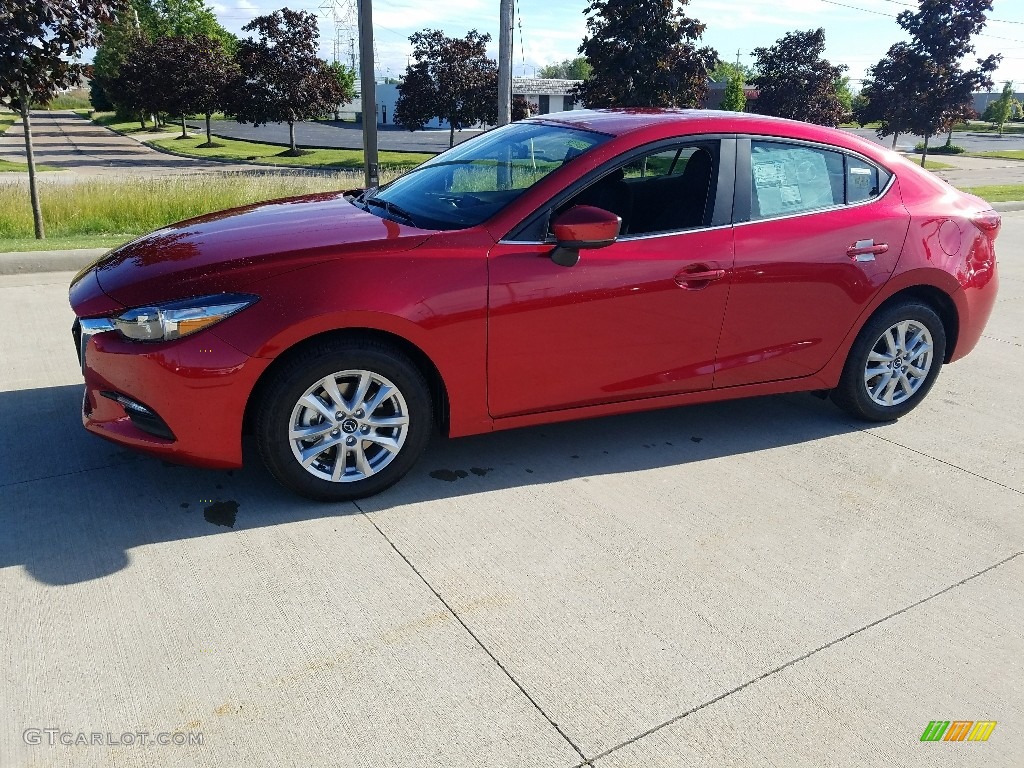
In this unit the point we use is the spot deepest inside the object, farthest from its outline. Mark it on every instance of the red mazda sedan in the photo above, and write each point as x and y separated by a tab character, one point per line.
566	266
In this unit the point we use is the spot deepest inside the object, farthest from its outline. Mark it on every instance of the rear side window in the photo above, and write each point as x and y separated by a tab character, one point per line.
787	178
790	178
863	180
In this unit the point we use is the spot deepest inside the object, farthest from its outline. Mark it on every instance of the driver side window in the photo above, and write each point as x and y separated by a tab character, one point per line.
667	190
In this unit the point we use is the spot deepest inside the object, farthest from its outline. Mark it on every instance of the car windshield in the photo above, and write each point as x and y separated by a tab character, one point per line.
471	182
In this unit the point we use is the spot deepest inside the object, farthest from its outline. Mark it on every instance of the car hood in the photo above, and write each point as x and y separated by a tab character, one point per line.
227	250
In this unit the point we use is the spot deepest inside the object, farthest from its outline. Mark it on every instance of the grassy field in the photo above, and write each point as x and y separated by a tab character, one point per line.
998	193
11	245
243	151
1005	154
7	119
106	211
7	166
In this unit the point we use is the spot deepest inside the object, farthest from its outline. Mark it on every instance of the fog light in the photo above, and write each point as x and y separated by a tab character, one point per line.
142	416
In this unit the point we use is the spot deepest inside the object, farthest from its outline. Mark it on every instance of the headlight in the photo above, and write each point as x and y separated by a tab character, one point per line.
175	319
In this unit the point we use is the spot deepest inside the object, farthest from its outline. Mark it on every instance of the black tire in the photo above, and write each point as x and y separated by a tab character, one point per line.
852	394
279	403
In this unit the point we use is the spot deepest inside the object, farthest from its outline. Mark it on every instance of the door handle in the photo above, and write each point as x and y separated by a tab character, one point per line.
698	277
866	250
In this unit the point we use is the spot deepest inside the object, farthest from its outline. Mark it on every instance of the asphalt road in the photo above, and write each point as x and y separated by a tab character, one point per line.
339	134
344	135
755	583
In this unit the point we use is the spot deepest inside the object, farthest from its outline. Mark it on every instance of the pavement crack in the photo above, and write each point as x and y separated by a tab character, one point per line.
797	660
942	461
477	640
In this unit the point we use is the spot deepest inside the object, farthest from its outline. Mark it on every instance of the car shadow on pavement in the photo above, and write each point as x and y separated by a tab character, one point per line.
73	506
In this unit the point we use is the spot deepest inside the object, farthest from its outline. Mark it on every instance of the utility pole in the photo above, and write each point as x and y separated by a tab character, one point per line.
369	92
505	64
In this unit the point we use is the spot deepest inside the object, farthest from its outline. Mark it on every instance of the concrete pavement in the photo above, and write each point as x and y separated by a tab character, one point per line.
755	583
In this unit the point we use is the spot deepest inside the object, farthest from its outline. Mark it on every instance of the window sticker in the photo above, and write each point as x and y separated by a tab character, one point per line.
789	180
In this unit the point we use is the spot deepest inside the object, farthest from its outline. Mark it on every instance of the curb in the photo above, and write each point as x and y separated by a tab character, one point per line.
1013	205
29	262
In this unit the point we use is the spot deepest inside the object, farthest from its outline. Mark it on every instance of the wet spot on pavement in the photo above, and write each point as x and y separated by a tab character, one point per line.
222	513
481	471
696	439
448	475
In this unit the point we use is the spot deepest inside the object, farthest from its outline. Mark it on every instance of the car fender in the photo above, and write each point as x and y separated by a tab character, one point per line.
901	281
434	300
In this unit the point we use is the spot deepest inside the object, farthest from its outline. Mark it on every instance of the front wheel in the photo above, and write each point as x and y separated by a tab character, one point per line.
342	421
893	363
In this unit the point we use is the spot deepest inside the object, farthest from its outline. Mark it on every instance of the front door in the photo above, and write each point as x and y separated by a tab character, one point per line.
636	319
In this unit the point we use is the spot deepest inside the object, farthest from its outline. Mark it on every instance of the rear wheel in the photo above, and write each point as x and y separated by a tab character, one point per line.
343	421
893	363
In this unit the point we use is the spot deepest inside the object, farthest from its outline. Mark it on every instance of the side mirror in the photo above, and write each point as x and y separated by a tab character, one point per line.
582	226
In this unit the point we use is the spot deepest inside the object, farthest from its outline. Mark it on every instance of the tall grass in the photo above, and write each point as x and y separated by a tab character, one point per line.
138	205
77	99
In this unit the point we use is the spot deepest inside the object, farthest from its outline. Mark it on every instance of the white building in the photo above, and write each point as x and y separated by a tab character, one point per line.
545	94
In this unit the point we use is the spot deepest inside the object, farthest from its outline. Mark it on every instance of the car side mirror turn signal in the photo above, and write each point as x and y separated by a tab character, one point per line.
582	227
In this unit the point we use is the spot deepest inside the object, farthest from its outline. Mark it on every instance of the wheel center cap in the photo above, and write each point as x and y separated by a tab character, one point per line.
897	363
348	426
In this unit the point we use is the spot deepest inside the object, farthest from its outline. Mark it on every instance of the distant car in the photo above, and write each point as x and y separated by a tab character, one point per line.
566	266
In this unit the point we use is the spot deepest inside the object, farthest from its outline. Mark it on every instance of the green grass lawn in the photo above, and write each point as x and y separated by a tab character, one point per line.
7	119
6	165
238	151
9	245
998	193
103	212
934	165
1005	154
243	151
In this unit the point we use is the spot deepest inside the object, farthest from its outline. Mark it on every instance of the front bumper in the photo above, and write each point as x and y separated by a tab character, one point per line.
197	386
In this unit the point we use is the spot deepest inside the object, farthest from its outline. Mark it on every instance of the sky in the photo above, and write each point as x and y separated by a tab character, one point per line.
857	32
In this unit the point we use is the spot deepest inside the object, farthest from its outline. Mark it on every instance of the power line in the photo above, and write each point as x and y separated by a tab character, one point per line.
911	5
891	16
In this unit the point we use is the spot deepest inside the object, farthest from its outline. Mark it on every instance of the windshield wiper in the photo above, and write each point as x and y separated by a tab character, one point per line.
390	207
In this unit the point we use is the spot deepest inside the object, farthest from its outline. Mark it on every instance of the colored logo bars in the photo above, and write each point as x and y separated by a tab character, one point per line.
958	730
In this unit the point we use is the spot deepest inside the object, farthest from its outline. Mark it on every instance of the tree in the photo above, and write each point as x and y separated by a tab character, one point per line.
40	41
569	69
135	87
735	98
346	77
1003	109
644	54
724	71
794	81
189	74
887	95
522	109
281	79
844	95
189	18
452	79
151	19
920	85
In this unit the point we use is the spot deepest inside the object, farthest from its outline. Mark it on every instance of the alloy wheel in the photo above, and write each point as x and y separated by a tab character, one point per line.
348	426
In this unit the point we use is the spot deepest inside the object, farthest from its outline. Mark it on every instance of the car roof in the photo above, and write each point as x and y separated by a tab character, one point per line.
661	122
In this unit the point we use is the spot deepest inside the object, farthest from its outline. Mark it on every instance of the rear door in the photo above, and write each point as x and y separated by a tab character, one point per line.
818	232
